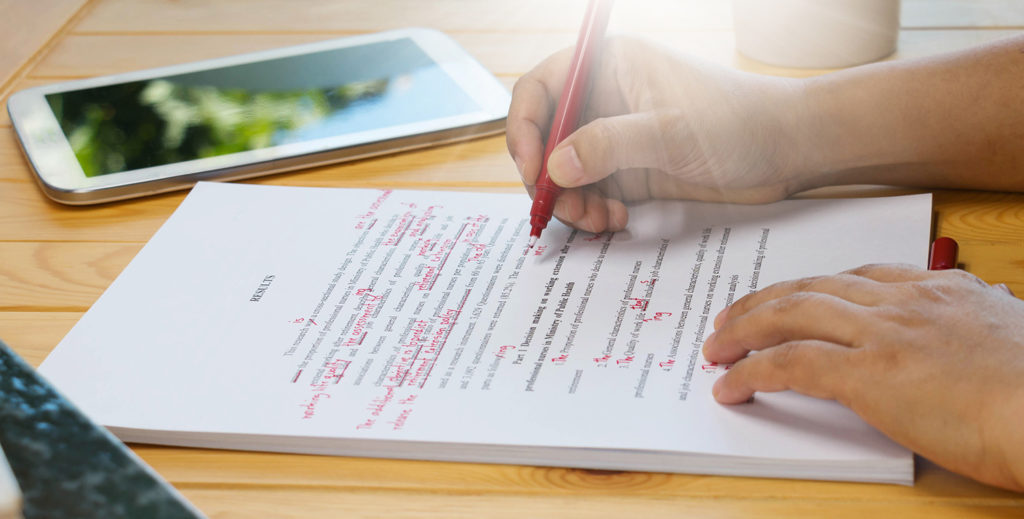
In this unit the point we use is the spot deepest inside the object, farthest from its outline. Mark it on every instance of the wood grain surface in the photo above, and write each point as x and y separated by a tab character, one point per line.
56	260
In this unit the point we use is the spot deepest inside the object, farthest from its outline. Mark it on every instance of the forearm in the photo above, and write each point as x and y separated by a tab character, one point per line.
952	121
1007	440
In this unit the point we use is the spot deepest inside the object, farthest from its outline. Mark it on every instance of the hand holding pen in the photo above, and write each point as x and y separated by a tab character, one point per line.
570	109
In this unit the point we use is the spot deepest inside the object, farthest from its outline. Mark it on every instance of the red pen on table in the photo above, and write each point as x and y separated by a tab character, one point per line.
570	107
943	254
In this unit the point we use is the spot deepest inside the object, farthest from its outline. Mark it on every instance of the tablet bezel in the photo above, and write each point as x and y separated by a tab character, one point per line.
61	177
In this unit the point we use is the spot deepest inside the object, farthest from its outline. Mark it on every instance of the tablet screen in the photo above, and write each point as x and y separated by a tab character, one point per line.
245	107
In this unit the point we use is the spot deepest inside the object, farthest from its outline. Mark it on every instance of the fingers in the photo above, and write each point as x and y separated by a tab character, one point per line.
529	114
1003	288
610	144
856	289
808	367
865	285
587	209
800	316
891	272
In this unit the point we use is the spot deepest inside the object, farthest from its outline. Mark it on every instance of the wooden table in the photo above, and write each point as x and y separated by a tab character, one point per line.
56	260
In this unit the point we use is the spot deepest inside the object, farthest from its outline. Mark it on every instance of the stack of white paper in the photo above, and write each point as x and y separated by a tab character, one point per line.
418	325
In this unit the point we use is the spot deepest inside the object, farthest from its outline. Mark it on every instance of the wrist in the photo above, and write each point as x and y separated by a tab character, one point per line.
847	127
810	153
1007	440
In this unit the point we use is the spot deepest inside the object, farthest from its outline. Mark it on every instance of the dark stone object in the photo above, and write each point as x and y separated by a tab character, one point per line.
67	466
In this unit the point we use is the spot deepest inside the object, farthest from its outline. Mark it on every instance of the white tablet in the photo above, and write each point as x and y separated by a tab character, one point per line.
151	131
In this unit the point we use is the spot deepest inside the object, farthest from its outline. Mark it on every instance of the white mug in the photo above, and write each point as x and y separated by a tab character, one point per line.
816	33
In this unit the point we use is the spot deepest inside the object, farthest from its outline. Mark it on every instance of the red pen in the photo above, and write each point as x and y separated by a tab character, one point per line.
943	254
570	107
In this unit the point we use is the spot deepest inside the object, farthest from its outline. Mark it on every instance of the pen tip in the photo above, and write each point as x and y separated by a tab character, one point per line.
533	241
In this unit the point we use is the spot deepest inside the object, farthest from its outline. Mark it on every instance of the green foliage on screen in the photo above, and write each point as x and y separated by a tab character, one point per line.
143	124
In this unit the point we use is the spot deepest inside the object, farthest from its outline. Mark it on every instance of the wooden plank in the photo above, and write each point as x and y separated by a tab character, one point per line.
454	15
302	503
32	335
26	27
267	16
80	56
91	55
186	467
58	276
481	164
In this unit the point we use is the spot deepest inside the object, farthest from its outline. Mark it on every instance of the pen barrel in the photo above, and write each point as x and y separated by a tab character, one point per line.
574	92
570	107
545	194
943	254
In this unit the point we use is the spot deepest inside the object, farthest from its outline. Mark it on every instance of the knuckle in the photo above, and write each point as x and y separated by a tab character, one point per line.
865	270
937	291
785	357
964	277
796	302
809	284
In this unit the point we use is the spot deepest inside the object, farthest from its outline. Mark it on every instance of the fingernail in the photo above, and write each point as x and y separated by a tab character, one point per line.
564	167
707	344
720	318
717	387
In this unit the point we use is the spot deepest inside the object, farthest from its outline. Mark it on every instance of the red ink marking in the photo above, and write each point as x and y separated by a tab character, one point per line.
409	349
309	408
374	207
378	403
399	422
478	252
296	377
714	367
420	225
473	227
537	251
398	233
658	316
431	273
594	237
446	322
501	350
667	364
426	247
625	361
560	359
426	281
366	308
602	360
639	304
333	373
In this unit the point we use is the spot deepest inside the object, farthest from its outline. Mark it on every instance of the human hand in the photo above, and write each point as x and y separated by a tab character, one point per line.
659	125
933	359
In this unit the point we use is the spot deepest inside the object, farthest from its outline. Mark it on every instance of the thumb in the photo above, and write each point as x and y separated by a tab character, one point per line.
606	145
